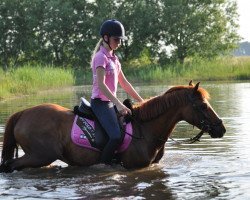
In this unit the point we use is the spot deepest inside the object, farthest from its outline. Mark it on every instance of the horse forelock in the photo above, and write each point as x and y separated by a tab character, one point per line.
174	97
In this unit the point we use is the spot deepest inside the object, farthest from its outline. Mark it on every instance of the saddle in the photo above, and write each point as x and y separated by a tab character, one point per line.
92	128
84	110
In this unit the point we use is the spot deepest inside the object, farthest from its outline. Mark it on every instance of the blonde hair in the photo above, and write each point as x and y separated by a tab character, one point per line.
97	47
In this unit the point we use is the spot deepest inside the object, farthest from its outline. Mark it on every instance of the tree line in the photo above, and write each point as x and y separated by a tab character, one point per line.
243	50
65	32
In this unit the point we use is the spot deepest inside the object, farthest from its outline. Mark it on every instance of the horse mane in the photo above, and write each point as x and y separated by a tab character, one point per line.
175	96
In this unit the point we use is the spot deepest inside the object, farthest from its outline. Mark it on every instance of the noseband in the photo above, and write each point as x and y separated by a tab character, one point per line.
204	123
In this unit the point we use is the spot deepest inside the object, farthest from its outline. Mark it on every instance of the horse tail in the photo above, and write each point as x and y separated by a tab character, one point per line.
9	142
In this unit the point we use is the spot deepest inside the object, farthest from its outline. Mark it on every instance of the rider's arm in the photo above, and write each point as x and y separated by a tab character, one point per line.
100	72
128	87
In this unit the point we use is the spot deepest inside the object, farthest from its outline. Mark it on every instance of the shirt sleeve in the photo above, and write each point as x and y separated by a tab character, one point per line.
100	60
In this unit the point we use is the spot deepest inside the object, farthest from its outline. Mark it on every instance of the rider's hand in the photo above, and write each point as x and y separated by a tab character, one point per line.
123	110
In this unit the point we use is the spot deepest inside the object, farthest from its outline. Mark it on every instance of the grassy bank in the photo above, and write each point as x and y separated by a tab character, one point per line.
29	80
226	68
233	68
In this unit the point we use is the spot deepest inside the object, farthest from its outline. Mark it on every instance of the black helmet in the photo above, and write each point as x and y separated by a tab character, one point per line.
113	28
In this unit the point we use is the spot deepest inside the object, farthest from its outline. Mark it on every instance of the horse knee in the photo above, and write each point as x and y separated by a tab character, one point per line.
24	162
159	156
10	165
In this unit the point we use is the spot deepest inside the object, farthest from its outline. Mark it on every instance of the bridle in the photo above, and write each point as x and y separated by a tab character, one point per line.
204	124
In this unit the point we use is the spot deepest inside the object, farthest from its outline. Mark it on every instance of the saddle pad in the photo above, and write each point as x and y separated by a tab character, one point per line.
79	137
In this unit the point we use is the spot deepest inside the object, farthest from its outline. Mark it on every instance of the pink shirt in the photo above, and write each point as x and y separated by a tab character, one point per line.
112	68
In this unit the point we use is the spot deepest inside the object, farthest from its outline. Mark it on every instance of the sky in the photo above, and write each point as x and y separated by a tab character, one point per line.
244	19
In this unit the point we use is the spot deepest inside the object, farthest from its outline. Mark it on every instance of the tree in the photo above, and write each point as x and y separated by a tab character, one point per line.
14	31
141	21
65	32
204	28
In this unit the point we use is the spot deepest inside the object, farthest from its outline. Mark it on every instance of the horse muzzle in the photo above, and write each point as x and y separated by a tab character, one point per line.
217	130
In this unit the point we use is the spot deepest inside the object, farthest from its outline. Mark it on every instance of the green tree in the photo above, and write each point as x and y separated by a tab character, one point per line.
64	29
141	21
65	32
204	28
14	31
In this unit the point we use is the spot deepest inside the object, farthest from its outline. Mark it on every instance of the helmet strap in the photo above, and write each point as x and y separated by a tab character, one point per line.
107	42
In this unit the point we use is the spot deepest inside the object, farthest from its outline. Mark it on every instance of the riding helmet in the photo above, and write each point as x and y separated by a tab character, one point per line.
113	28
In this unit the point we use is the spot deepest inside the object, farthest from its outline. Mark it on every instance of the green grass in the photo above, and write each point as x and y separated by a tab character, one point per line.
29	80
229	68
235	68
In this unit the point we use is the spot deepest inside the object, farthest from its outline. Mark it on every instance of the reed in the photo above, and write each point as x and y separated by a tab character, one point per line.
31	79
226	68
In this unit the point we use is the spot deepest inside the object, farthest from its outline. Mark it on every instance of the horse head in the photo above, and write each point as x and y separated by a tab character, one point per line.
200	113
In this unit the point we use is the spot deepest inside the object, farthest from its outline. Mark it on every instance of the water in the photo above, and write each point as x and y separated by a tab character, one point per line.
209	169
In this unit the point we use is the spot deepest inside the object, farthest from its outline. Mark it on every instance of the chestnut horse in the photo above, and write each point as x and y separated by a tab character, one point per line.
43	131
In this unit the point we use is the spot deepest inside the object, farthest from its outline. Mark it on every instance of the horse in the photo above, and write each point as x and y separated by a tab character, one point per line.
43	131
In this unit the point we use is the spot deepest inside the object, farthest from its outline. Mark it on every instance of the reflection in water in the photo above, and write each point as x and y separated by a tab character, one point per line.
97	182
209	169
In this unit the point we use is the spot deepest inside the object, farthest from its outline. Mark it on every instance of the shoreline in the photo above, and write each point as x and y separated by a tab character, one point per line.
28	80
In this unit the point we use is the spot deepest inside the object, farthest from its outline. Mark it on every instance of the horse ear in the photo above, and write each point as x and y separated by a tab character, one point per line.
196	86
191	83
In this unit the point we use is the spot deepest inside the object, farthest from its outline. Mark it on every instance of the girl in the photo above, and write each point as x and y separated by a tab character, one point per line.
107	73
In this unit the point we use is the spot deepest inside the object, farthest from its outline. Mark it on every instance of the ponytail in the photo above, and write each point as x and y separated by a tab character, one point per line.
97	47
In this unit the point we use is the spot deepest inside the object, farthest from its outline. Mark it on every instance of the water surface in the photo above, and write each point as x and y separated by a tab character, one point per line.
209	169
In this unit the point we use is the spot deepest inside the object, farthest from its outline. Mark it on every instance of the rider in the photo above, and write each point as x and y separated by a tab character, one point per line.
107	73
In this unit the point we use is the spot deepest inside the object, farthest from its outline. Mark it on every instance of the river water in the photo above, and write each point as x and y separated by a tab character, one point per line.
209	169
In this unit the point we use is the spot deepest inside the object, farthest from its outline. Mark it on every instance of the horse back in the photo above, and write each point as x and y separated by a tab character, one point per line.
44	124
45	113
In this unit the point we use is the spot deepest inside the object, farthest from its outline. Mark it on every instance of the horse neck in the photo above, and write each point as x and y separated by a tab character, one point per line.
161	114
162	126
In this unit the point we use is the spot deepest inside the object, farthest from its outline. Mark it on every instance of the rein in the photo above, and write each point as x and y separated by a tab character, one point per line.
190	140
141	136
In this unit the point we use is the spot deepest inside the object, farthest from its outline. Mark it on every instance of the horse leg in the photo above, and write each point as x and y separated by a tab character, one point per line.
159	155
26	161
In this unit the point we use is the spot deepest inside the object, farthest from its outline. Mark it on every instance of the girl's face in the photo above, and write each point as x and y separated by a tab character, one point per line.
114	42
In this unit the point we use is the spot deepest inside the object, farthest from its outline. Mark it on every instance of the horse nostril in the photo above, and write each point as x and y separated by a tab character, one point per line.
224	130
